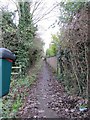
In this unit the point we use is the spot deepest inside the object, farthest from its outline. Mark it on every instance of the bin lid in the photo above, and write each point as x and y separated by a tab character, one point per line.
7	54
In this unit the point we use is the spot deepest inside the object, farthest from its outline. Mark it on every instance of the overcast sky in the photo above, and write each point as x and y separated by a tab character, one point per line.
44	28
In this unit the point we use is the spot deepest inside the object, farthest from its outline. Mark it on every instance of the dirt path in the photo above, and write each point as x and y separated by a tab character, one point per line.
37	103
43	94
48	99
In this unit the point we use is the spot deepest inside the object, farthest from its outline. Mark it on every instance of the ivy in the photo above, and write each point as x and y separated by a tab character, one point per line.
20	39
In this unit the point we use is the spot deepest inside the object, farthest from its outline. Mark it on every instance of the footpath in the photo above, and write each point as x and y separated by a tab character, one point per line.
48	99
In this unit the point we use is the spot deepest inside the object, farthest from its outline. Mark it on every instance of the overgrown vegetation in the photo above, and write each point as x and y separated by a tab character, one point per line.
19	89
52	51
70	45
20	38
73	51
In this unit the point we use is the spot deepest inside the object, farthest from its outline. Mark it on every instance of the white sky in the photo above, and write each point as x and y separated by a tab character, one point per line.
43	25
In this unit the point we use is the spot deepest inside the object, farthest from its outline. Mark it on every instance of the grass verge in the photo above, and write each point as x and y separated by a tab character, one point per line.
19	90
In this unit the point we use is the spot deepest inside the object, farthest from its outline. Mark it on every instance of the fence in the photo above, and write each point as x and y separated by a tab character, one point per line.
52	61
17	69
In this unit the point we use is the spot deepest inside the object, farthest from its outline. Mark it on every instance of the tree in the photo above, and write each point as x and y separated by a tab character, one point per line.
68	9
38	9
20	39
27	34
73	24
9	31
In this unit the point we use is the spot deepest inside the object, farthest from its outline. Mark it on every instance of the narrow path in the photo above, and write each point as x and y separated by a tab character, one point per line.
36	105
48	99
43	95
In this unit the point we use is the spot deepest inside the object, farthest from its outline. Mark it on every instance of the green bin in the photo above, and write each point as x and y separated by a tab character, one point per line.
6	59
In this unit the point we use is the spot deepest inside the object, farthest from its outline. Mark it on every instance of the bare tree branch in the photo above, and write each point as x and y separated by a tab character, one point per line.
39	18
36	5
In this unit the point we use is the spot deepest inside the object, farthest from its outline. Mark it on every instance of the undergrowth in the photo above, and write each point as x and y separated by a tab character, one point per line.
19	90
